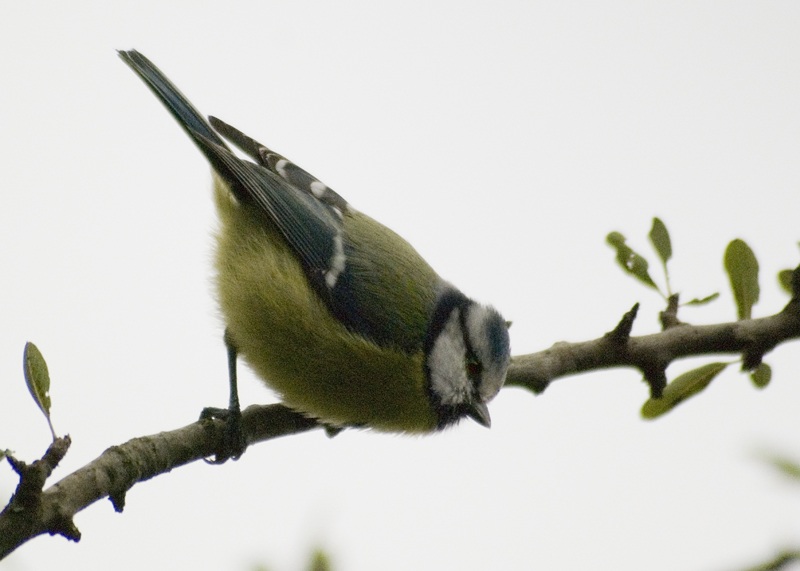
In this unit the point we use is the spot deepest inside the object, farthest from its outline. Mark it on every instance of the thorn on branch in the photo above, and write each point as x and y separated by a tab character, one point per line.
622	332
751	360
123	480
539	386
669	317
117	500
66	528
656	379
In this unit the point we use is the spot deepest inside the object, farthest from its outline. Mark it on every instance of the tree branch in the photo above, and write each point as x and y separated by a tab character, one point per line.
34	511
651	354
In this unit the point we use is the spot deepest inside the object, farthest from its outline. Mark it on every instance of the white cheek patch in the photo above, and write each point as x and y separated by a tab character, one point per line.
448	379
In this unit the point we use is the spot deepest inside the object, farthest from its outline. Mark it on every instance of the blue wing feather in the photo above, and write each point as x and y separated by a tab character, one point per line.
308	214
309	226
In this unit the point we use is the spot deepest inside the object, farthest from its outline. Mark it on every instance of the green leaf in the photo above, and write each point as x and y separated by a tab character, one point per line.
320	561
761	376
788	467
630	261
38	380
683	387
785	280
659	237
703	300
742	268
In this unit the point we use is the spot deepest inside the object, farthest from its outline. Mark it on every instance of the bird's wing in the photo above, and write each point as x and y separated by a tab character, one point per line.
311	226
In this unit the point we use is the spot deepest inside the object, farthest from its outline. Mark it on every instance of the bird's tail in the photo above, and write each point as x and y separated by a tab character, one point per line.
189	118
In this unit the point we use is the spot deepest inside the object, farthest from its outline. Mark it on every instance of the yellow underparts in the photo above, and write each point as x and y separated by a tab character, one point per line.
293	343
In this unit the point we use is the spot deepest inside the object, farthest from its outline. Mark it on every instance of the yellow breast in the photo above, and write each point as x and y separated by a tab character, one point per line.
293	343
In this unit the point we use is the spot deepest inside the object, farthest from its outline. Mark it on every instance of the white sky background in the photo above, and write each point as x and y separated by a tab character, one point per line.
504	140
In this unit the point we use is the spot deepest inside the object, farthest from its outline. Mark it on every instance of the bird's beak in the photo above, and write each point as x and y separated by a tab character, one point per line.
479	412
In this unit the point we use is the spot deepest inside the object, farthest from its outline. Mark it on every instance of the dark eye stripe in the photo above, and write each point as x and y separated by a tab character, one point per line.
473	363
474	369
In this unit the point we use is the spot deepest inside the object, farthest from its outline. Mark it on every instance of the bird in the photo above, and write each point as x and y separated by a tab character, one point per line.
335	312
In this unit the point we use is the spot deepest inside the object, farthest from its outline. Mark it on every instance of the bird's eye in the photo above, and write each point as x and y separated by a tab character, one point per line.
474	368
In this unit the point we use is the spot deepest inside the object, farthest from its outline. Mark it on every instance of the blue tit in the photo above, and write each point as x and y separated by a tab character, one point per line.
334	311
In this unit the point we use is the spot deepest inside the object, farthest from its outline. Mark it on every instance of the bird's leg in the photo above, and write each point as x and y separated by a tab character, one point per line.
234	443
